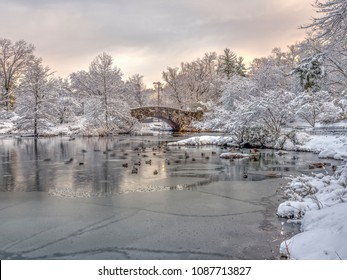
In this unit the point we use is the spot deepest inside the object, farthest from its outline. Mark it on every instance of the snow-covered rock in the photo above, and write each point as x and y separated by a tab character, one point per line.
203	140
327	146
234	155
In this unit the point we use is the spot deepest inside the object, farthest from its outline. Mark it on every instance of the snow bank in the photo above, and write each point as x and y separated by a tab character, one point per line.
323	237
203	140
327	146
319	200
306	193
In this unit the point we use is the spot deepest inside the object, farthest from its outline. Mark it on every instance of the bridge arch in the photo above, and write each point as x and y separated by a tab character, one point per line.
179	120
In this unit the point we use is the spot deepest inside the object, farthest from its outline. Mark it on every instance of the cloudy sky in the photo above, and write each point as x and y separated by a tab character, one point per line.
146	36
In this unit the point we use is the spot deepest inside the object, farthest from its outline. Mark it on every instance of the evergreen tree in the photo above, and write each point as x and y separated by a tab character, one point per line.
240	67
229	64
310	71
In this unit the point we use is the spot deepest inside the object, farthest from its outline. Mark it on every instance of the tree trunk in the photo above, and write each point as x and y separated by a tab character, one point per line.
35	115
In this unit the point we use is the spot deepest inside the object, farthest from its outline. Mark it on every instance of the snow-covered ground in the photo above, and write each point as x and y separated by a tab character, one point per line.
328	146
317	201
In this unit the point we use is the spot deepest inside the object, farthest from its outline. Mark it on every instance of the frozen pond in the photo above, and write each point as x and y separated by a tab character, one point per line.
81	199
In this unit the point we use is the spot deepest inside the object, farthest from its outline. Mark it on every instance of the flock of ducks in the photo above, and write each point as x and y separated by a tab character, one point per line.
157	151
143	152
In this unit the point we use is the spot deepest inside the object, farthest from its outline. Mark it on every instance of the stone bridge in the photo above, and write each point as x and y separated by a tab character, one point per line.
179	120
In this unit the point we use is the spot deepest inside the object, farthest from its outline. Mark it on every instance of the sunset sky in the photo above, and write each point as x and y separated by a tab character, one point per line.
145	37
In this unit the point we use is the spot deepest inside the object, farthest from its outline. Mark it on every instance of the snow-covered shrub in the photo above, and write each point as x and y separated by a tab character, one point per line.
306	193
330	113
259	136
316	107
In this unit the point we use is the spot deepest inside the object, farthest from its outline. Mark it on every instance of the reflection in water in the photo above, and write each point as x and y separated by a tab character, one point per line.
97	166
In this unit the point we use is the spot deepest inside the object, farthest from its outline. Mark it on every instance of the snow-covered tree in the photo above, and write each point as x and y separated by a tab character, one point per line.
311	71
193	84
174	89
331	25
67	104
35	97
137	91
327	35
316	107
229	64
274	109
106	105
273	72
199	76
14	59
237	88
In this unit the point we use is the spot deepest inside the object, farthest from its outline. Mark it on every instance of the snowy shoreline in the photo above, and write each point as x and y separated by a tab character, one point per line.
316	201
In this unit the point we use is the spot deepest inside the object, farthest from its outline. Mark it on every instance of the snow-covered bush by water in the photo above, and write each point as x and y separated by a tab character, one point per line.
320	201
318	191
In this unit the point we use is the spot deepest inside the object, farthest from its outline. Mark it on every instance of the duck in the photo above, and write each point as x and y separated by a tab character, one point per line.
245	175
134	170
69	161
155	172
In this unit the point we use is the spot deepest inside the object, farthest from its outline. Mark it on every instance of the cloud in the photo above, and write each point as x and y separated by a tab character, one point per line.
146	36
